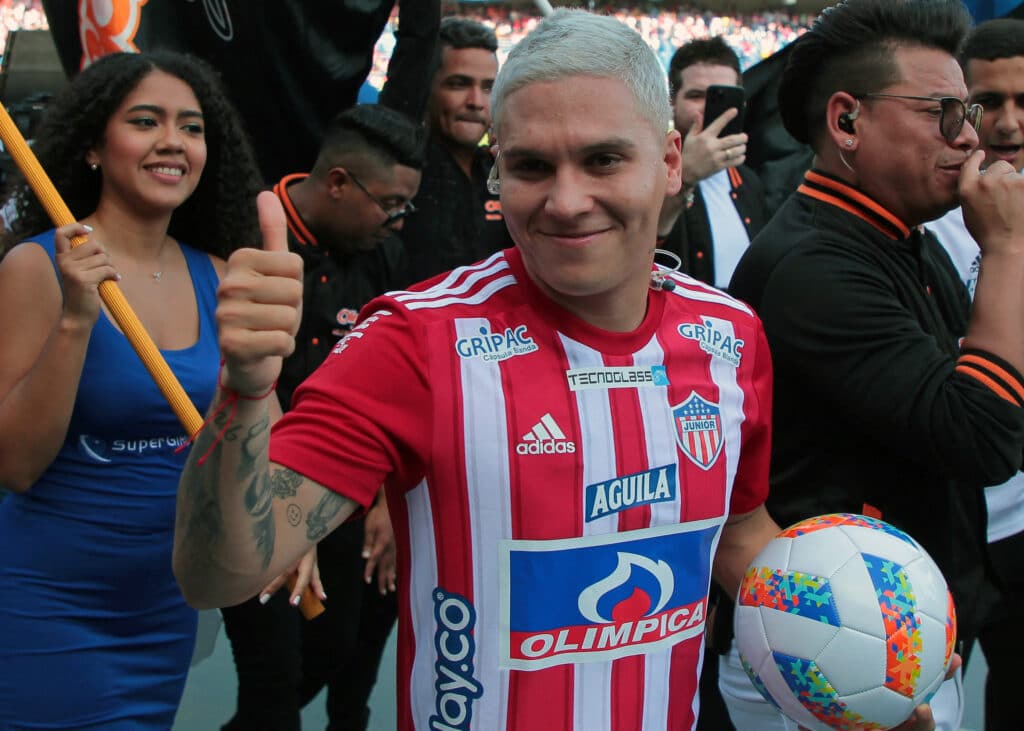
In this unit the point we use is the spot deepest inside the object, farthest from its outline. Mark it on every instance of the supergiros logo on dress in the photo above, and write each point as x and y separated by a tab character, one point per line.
101	450
496	346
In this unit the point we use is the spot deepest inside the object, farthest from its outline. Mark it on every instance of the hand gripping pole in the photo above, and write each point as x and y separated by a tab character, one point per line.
121	311
115	301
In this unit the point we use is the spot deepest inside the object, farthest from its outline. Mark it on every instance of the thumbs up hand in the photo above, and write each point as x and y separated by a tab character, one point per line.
259	305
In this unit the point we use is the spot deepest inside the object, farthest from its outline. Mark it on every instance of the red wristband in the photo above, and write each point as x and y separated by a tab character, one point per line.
231	398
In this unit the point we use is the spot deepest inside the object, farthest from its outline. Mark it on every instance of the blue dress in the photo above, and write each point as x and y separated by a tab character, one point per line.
94	632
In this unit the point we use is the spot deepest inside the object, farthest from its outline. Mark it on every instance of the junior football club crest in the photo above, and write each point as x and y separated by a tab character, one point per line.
698	425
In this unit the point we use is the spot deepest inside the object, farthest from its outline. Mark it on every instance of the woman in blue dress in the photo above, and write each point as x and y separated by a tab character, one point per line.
152	160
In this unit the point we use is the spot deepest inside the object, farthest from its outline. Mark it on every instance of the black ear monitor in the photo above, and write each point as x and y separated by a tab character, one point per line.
845	121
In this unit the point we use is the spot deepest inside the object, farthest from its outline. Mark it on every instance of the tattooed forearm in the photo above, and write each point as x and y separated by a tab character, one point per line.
202	513
258	495
259	505
255	442
226	508
320	517
203	521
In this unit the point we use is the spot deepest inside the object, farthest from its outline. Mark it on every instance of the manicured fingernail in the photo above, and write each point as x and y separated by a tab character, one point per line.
295	600
87	228
366	553
368	579
264	598
118	277
323	596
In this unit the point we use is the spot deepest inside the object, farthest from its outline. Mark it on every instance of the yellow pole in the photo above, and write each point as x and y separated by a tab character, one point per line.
121	311
113	298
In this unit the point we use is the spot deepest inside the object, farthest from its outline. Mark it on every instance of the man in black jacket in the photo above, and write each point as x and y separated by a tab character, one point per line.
342	217
710	223
892	397
460	220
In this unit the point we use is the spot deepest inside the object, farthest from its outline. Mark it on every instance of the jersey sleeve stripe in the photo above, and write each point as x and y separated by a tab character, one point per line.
687	290
447	286
478	297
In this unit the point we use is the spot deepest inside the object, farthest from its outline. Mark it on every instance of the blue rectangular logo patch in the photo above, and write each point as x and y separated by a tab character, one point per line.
658	485
604	596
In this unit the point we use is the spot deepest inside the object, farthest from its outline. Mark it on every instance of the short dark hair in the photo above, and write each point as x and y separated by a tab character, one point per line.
218	217
851	48
459	32
993	40
714	51
372	131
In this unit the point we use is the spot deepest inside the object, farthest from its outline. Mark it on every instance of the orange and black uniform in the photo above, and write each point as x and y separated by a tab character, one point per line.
334	289
877	409
282	661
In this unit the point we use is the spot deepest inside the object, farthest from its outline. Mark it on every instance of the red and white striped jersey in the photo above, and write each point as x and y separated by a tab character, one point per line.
557	491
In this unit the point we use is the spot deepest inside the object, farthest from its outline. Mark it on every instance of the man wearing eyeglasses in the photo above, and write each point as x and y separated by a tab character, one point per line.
342	217
892	397
993	62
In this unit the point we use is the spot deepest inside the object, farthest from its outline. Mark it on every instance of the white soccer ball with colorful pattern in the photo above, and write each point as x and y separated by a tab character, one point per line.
844	622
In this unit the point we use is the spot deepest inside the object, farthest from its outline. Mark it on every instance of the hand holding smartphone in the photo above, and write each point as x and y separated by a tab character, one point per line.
719	98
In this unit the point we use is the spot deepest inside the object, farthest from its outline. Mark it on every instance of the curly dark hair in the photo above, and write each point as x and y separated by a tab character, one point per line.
219	216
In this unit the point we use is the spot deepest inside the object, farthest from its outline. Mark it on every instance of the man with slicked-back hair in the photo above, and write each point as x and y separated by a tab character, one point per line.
893	398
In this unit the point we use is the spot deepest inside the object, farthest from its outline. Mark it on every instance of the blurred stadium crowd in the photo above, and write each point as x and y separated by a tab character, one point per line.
665	26
20	14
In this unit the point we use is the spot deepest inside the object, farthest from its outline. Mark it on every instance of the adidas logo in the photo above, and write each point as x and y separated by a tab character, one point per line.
545	438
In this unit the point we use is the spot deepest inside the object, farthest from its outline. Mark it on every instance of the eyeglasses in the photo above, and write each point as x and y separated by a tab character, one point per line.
954	112
393	214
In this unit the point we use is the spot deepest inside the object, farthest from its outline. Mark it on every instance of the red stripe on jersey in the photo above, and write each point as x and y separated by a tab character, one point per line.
448	488
543	507
406	638
704	499
550	704
630	442
627	682
628	693
681	677
751	485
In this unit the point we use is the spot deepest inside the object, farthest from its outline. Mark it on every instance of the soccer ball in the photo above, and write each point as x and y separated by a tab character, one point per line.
844	622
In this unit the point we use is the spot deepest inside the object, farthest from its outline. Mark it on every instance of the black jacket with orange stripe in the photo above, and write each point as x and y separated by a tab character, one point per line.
876	406
334	288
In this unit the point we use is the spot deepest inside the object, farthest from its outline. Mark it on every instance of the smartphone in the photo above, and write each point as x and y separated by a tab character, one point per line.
717	99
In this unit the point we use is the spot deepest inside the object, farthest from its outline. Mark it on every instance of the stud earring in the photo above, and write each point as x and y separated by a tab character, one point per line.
94	167
849	143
